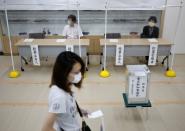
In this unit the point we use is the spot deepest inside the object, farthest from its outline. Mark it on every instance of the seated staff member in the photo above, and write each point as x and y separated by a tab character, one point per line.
151	30
71	30
68	72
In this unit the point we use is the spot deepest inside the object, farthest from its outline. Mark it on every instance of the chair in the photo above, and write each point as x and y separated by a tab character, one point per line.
36	35
110	36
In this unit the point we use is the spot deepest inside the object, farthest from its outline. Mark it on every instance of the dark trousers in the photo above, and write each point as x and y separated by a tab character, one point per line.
146	58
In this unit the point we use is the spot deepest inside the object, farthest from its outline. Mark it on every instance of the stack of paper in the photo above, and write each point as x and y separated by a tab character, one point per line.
28	40
152	40
113	40
60	40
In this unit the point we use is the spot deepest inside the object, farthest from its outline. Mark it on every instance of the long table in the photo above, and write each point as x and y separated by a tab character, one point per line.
50	48
137	47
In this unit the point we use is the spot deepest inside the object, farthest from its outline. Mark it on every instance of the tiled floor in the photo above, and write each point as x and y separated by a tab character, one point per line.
23	101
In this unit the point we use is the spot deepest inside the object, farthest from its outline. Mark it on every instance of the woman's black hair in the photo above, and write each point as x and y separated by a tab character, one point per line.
72	17
62	67
153	18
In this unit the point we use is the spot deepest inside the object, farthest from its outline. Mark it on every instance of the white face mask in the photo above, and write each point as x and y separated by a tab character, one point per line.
77	78
151	24
69	22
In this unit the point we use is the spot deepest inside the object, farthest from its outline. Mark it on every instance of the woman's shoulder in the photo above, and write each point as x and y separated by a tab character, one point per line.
56	92
66	26
146	27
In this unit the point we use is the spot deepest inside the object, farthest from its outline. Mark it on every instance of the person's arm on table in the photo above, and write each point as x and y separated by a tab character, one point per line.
80	32
144	33
64	33
157	33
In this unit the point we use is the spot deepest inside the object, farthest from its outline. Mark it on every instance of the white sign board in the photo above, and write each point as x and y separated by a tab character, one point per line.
119	54
138	85
35	55
153	54
70	48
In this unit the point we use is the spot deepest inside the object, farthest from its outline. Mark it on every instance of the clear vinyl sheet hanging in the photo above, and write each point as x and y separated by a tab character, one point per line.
13	73
105	73
171	72
79	41
105	46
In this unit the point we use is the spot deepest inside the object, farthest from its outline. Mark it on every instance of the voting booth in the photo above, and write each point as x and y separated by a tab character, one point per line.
137	84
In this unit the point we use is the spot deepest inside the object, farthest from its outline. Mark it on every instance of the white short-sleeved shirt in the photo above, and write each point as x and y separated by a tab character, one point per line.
72	32
64	105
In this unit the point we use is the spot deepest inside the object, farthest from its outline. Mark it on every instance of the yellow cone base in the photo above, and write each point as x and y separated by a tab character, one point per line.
14	74
104	73
170	73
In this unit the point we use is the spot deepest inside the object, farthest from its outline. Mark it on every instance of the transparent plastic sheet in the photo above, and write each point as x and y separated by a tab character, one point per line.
86	5
16	24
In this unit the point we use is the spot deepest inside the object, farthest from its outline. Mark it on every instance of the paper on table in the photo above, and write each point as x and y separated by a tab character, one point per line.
28	40
153	40
60	40
113	40
95	114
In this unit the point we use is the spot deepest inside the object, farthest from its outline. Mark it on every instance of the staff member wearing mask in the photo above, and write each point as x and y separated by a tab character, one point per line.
151	30
68	71
71	30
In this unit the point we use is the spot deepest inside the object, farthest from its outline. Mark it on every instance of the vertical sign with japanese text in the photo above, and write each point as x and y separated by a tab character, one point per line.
119	54
137	86
153	54
35	55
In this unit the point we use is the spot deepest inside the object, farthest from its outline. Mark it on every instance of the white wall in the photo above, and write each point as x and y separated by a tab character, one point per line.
170	24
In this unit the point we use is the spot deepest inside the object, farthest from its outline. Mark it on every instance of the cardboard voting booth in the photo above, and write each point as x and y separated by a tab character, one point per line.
137	84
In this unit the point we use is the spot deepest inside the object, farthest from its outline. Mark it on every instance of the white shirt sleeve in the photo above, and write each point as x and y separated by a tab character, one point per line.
64	33
80	31
57	105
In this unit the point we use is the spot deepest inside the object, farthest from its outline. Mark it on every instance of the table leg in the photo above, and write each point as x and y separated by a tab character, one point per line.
86	61
167	63
21	58
101	56
30	59
102	61
88	58
25	61
166	58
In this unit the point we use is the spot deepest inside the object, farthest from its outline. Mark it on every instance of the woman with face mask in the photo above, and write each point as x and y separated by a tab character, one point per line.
68	72
71	31
150	31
